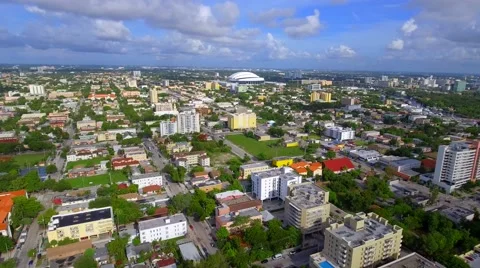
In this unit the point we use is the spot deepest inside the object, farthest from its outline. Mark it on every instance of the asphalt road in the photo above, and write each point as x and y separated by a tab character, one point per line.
299	259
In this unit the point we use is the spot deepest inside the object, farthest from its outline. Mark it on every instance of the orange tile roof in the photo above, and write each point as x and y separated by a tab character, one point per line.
151	188
315	166
6	204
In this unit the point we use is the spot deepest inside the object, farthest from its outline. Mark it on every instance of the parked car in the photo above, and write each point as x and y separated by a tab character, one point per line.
264	261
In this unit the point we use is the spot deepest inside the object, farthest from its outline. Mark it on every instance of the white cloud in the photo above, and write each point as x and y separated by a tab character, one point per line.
111	30
35	10
409	27
396	44
341	51
272	17
309	26
277	50
228	12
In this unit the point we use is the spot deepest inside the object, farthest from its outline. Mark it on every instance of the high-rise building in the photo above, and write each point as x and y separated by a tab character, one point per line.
326	96
168	128
246	120
348	101
297	74
165	83
459	86
188	122
314	96
137	74
369	80
132	82
273	183
153	96
36	89
456	165
363	240
313	87
306	207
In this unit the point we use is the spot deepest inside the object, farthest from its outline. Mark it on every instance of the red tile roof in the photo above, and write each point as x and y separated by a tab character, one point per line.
338	164
165	262
428	163
122	186
151	188
6	204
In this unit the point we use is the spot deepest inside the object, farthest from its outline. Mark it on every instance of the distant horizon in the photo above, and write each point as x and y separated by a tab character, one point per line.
425	36
132	67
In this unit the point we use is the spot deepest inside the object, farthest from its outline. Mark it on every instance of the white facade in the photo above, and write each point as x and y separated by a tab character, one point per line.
166	83
340	133
273	183
168	128
144	180
163	228
365	155
188	122
36	89
314	87
457	164
132	83
137	73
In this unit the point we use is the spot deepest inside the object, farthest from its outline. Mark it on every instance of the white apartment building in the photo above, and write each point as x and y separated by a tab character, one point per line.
132	83
340	133
36	89
273	183
188	122
137	74
163	228
144	180
314	87
457	164
165	83
167	128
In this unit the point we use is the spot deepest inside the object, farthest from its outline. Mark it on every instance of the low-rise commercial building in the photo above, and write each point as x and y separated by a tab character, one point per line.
144	180
282	161
365	155
87	224
340	133
303	167
339	165
163	228
191	158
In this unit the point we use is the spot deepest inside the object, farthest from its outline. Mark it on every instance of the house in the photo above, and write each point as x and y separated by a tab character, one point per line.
151	189
303	167
133	252
120	163
6	205
81	172
101	256
339	165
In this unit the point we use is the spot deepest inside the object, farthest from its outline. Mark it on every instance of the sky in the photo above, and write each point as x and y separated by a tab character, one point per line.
376	35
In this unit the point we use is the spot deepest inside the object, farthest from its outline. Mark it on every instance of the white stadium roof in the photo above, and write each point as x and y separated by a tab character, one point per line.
245	77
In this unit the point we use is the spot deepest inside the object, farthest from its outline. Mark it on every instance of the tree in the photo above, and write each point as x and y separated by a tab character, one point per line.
276	132
246	158
256	236
24	209
51	169
85	261
136	241
6	244
116	248
433	195
331	154
32	181
180	203
45	217
32	253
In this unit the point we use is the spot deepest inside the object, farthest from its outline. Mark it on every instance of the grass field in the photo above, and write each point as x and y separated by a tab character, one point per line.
81	182
29	159
255	147
85	163
220	159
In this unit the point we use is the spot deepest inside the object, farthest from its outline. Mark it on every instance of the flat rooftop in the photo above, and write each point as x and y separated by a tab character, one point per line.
189	252
279	172
254	165
75	218
307	195
163	221
147	175
372	230
249	212
413	260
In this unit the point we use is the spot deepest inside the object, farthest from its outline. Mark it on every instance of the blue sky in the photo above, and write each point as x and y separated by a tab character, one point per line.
380	35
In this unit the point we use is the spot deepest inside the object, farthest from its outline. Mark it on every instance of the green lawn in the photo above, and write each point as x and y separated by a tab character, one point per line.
29	159
81	182
85	163
255	147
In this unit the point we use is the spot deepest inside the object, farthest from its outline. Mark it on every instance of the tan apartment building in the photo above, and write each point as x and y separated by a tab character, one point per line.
86	224
307	207
136	153
247	169
363	240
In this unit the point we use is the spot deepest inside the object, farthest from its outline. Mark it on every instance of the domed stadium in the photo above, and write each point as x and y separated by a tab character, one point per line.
245	78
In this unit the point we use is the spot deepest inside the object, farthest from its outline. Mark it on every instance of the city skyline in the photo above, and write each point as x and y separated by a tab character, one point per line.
357	35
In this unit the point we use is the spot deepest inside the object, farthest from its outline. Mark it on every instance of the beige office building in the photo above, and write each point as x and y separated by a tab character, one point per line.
307	207
87	224
247	169
363	240
153	95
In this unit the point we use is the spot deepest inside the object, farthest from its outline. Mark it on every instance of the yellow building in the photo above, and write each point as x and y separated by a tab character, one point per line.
210	186
87	224
208	85
363	240
388	102
262	97
314	96
291	144
153	95
242	121
325	82
282	161
246	170
326	96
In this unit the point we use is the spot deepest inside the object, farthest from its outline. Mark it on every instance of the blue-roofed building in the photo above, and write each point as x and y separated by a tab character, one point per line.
42	172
